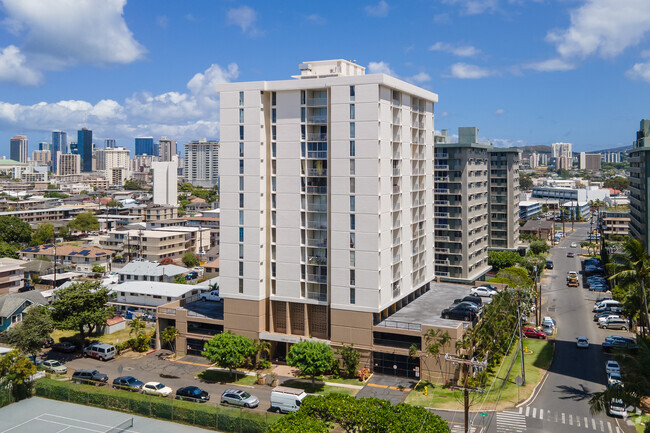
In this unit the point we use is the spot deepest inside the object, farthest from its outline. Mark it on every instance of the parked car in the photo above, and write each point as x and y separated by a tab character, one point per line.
611	304
606	312
468	305
582	342
35	360
459	313
489	286
618	342
473	299
212	295
89	376
101	351
64	347
156	388
604	318
48	342
482	291
55	366
191	275
614	379
574	245
238	397
612	367
614	323
549	264
128	383
571	254
286	400
617	408
533	333
192	393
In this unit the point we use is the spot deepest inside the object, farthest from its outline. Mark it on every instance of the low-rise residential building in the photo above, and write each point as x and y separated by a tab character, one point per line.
577	209
570	194
211	222
145	297
14	305
616	222
529	209
12	275
81	259
153	212
152	245
142	270
37	216
541	228
212	269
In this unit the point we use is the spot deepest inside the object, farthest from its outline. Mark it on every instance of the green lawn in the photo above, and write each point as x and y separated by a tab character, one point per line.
319	388
226	377
639	421
119	336
536	364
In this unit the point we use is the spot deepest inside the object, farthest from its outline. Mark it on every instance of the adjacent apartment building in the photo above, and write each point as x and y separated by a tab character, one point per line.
461	206
640	185
503	197
326	204
202	163
18	148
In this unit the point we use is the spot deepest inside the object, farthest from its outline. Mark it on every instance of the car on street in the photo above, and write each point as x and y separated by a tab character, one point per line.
128	383
55	366
571	274
617	408
612	367
571	254
482	291
459	312
574	245
64	347
237	397
533	333
192	393
549	264
614	379
582	342
156	388
89	376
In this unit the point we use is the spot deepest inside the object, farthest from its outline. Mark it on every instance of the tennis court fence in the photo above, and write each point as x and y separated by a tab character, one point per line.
231	420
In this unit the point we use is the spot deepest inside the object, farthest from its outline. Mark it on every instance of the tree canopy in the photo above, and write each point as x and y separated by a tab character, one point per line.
619	182
81	307
539	246
44	234
502	259
84	222
30	334
319	414
229	350
525	181
8	250
15	373
311	357
190	260
14	231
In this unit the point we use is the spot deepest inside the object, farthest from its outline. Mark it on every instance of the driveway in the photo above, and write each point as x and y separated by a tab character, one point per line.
392	388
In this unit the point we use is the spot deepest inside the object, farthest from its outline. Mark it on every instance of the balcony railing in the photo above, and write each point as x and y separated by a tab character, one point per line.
441	190
312	172
316	278
317	137
316	189
441	202
318	243
317	208
317	120
441	167
313	102
441	226
317	154
441	214
317	260
396	171
317	296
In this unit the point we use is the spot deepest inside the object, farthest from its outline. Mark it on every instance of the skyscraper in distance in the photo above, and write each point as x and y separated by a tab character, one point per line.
109	143
59	145
144	146
166	149
85	148
18	148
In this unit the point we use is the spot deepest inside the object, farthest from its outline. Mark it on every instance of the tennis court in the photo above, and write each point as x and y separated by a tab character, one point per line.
41	415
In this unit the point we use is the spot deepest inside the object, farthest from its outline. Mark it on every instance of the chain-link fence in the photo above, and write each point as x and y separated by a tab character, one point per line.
6	397
198	414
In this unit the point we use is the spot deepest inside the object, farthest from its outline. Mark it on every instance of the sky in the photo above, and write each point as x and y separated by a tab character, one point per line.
525	72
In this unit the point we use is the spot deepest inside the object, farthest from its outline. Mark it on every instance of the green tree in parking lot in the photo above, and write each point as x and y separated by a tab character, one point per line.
631	269
30	334
311	357
229	350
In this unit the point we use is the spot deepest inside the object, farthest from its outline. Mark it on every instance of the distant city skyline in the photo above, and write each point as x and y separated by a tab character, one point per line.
524	73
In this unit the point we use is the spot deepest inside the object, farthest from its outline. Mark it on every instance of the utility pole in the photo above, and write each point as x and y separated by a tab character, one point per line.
466	364
521	349
538	304
54	248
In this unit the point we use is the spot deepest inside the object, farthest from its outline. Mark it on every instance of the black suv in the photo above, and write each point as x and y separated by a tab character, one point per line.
460	312
473	299
89	376
128	383
192	393
549	264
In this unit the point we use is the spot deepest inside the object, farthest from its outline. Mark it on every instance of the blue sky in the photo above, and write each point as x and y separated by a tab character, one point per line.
522	71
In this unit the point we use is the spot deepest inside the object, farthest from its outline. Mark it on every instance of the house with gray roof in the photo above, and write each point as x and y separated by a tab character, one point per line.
150	271
14	305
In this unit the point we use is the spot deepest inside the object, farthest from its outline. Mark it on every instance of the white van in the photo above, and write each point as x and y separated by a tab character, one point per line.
608	304
286	400
101	351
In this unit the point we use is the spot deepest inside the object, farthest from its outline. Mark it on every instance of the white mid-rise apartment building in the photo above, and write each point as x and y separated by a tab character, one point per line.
68	163
165	182
202	163
562	149
115	162
326	202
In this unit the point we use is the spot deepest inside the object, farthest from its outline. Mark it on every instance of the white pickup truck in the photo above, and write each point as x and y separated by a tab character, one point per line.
212	295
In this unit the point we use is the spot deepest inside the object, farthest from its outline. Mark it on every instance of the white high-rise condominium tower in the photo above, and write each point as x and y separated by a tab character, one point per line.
202	163
562	149
326	202
165	182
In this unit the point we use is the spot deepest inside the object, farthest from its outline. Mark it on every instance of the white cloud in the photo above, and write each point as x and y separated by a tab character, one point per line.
466	71
162	21
551	65
378	10
639	71
181	115
60	33
443	114
457	50
13	68
499	111
384	68
475	7
244	17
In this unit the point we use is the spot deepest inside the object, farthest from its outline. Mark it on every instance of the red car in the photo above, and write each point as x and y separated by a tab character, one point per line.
532	333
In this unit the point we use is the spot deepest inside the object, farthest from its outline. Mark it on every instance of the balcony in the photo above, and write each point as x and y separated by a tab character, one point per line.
442	262
317	260
396	258
440	155
317	278
396	276
442	250
397	205
441	202
316	137
316	189
417	187
316	225
397	224
441	167
313	172
397	155
441	190
441	226
441	214
396	189
317	295
417	233
316	102
317	120
317	154
396	171
317	243
442	238
441	178
397	137
316	207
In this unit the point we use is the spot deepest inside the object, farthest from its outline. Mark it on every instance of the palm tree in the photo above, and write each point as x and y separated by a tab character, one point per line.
137	326
169	336
631	268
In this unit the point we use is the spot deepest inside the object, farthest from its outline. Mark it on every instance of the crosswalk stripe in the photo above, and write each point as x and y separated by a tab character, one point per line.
527	410
602	427
587	423
541	414
563	421
577	421
521	410
534	412
609	426
570	419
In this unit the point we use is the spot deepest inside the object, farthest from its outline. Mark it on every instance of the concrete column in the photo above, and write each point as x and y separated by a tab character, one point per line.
306	330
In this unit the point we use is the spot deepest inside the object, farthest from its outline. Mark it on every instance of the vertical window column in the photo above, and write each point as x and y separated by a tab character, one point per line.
241	193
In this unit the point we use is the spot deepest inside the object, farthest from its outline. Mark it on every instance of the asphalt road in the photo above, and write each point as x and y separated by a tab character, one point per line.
561	404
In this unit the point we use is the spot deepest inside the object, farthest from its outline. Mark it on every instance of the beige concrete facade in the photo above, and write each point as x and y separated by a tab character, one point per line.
504	197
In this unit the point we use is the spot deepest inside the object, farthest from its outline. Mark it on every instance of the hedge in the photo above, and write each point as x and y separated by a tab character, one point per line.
197	414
